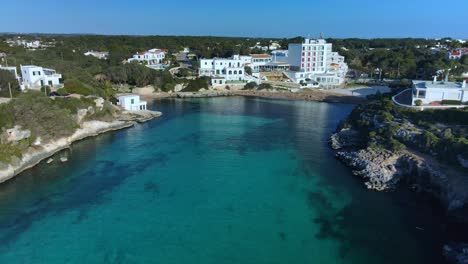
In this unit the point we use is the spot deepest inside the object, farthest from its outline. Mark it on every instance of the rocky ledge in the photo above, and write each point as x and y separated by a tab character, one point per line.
383	170
203	94
41	151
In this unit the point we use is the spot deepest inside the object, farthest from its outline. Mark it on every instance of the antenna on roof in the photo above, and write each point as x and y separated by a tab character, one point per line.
321	35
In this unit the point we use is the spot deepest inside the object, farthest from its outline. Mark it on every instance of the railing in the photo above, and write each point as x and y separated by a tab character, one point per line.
422	107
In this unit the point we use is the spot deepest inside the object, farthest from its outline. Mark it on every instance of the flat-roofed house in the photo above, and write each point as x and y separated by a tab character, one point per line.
35	77
131	102
429	92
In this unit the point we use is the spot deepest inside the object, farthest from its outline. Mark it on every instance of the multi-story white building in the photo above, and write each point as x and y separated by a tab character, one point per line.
34	77
314	62
150	57
102	55
226	69
429	92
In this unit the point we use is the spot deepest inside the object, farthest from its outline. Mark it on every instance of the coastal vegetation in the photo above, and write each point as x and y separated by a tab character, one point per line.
439	133
43	119
378	58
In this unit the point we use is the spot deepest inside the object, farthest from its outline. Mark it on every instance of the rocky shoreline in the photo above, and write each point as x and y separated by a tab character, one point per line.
384	170
39	152
317	96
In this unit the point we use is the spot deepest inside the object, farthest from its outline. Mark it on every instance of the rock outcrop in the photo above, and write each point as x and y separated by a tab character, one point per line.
203	94
345	138
41	151
15	134
381	169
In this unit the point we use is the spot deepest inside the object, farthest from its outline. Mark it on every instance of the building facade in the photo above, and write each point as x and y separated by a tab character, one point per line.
230	69
457	53
434	92
150	57
35	77
314	62
131	102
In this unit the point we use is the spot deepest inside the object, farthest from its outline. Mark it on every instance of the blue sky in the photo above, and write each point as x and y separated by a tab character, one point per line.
336	18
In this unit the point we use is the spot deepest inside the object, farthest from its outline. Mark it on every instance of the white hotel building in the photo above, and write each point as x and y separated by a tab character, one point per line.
314	62
223	70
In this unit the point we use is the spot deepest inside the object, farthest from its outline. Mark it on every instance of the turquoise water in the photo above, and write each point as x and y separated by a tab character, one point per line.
224	180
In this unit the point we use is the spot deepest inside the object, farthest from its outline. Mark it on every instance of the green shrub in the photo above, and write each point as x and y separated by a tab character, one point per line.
77	87
396	145
264	86
196	84
418	102
8	151
429	140
62	91
451	102
250	86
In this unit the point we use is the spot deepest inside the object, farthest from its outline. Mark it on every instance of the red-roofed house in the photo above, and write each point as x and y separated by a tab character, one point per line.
457	54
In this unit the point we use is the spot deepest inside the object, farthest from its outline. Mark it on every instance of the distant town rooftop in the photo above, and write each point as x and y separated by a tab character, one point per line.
260	56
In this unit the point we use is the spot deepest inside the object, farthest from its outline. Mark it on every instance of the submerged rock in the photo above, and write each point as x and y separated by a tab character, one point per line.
463	160
50	160
63	159
456	253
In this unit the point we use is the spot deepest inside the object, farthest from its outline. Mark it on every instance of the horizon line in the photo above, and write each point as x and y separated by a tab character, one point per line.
217	36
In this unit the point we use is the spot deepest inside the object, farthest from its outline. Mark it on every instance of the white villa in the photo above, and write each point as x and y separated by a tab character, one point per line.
314	62
102	55
153	58
223	70
131	102
429	92
34	77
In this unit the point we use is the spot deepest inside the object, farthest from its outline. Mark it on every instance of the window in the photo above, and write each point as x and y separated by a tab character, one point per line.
230	72
240	72
132	101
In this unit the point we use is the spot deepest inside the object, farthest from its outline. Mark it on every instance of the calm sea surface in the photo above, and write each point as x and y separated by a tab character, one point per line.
223	180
